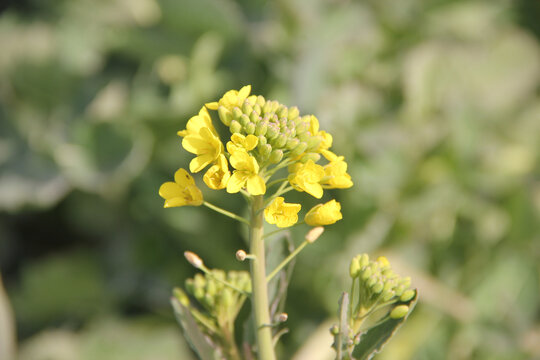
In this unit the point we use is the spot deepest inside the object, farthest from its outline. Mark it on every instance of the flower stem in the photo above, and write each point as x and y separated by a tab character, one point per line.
259	284
225	212
287	260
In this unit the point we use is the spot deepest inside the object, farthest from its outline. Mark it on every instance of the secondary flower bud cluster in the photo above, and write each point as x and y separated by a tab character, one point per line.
221	296
379	286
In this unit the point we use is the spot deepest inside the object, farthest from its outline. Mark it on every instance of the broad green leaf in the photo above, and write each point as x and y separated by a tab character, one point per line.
200	343
373	340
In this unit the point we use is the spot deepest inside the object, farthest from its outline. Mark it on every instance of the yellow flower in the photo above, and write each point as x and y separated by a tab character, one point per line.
246	174
239	142
206	145
182	191
218	175
327	139
281	213
324	214
231	99
336	174
307	177
197	122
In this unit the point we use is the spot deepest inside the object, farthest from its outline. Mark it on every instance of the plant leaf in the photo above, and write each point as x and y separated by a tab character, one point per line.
373	340
199	342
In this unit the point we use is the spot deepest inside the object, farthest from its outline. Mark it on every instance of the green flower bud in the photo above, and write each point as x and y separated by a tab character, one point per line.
364	260
354	268
227	298
257	109
272	132
371	281
244	119
211	288
275	106
267	108
282	111
377	288
265	150
236	112
387	295
247	108
399	311
225	115
235	127
314	142
311	156
293	113
303	136
208	300
366	273
261	101
292	143
276	156
334	330
181	296
261	128
262	140
280	141
198	293
299	149
407	295
190	287
282	123
250	128
254	117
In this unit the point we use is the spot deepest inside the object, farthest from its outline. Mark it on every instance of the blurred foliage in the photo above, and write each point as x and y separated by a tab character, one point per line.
435	103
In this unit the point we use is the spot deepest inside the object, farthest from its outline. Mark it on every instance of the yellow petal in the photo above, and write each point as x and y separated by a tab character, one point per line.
244	92
195	144
182	178
174	202
250	142
200	162
212	105
170	190
236	182
256	185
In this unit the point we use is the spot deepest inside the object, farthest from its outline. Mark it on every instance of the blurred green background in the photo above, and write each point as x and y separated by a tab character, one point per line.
434	103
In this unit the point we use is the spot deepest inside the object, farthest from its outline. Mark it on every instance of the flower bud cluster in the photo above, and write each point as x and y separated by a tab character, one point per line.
379	285
281	131
221	294
212	293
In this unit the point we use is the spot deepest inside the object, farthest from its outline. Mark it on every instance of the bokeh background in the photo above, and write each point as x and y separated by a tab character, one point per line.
434	103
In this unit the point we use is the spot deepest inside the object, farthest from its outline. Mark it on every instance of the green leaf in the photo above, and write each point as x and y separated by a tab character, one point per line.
373	340
199	342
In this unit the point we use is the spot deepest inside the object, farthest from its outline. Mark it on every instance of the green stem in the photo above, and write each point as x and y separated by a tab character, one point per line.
225	212
287	260
259	284
277	181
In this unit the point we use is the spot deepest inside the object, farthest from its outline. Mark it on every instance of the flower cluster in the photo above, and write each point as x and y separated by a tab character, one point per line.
379	287
265	137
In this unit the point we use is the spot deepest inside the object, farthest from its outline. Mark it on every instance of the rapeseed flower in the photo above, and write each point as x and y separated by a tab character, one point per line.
218	174
239	142
206	145
324	214
197	122
281	214
307	177
182	191
246	174
336	174
231	99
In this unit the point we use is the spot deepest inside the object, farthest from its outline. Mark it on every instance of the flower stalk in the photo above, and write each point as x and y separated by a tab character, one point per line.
258	278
